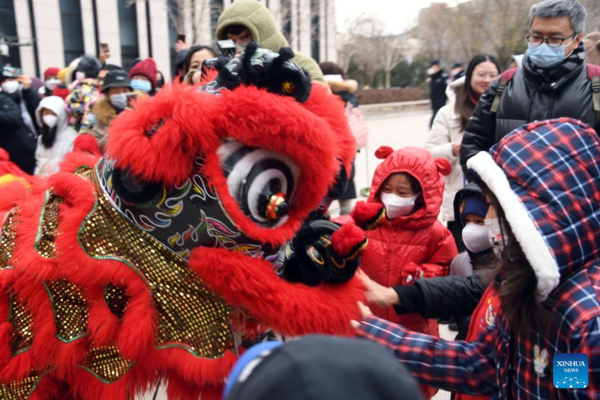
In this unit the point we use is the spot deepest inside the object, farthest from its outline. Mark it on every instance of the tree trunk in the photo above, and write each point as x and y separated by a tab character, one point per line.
388	79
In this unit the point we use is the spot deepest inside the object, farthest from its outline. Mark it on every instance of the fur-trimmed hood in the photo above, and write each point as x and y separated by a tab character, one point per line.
104	111
546	178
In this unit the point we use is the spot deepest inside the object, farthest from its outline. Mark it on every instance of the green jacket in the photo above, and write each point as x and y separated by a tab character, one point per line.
257	18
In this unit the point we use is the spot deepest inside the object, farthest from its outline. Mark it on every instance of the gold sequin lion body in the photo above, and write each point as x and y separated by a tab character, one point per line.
152	264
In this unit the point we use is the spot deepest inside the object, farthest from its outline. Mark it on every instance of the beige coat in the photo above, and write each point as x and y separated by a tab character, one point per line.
444	132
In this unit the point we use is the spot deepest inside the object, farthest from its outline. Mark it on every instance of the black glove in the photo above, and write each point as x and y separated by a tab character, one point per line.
264	69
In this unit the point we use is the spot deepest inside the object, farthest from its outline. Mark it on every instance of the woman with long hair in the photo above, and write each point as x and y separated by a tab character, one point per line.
56	138
192	67
449	127
545	301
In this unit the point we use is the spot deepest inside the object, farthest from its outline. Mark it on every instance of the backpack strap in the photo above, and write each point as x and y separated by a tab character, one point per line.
594	76
505	78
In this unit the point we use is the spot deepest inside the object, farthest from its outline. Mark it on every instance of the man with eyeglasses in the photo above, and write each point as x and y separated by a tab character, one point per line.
552	83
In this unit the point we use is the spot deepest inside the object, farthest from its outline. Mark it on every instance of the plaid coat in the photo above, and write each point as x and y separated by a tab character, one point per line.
554	169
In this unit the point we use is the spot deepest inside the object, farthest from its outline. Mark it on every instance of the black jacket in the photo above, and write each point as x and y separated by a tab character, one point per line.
15	138
527	98
437	86
443	297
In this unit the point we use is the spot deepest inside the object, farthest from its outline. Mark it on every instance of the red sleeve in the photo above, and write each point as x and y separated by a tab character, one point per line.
443	251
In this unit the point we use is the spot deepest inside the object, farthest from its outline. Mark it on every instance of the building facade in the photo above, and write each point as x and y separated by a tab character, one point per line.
37	34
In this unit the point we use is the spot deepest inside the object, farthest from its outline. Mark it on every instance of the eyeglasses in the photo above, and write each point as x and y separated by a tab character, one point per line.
537	40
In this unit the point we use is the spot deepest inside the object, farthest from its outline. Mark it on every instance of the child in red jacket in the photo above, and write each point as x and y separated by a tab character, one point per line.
406	240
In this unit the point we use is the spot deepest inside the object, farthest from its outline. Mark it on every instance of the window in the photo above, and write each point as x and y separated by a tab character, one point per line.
128	30
173	18
72	29
286	19
216	9
315	29
8	32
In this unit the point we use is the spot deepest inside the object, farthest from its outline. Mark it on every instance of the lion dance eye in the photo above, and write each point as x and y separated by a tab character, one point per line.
261	181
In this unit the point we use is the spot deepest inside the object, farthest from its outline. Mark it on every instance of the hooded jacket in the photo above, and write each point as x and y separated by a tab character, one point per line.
16	138
547	181
257	18
412	247
446	131
454	296
48	159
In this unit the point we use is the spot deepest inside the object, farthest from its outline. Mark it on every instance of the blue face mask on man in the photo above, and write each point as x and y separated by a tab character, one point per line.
545	56
140	84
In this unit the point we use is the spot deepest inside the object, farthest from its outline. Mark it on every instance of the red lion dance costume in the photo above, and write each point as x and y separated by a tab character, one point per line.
156	262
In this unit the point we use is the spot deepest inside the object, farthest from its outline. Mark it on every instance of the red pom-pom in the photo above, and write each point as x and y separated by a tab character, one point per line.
87	143
348	240
443	166
383	152
368	215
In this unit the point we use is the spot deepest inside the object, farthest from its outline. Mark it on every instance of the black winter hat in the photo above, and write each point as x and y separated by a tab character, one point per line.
324	367
116	79
90	66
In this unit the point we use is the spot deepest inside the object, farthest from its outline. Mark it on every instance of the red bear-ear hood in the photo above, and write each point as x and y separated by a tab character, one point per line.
420	164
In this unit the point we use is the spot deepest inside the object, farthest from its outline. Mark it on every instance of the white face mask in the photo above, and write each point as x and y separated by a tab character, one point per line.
80	76
51	84
431	71
50	120
10	86
396	206
476	237
495	236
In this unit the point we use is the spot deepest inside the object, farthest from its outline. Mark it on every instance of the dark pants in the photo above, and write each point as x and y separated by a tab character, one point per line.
435	111
456	231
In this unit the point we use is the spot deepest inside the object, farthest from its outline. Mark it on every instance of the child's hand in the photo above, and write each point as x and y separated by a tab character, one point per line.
377	294
364	313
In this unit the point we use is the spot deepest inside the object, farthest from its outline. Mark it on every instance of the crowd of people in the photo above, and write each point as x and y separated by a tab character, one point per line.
40	125
511	167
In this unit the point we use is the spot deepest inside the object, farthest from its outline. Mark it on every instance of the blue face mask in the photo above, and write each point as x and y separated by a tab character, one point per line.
140	84
544	56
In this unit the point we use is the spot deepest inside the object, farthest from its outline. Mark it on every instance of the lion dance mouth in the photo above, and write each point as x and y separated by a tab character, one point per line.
156	262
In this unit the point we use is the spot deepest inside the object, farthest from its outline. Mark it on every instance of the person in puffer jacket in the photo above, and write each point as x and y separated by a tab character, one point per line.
406	241
455	296
545	182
